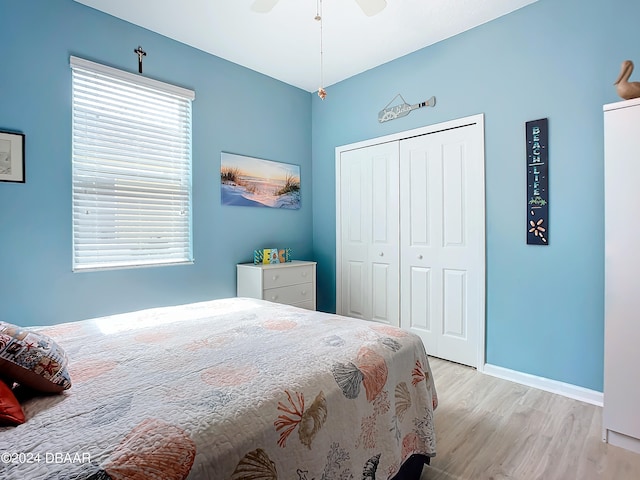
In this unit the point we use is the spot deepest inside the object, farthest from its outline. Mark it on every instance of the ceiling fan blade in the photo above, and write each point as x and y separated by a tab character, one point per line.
263	6
371	7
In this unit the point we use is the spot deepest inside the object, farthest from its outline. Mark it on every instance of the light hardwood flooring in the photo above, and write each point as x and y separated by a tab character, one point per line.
492	429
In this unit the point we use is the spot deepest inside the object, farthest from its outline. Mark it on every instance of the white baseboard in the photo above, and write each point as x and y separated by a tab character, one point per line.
566	389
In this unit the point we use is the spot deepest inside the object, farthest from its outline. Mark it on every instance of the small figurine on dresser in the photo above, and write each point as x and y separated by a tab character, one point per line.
624	87
272	255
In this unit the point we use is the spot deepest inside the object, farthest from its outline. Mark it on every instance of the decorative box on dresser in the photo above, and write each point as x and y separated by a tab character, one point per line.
621	413
292	283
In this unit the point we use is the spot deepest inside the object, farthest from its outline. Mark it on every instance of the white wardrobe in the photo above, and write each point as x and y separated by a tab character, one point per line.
411	235
621	414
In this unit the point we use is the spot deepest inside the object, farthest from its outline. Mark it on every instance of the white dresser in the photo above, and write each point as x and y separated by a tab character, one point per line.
292	283
620	417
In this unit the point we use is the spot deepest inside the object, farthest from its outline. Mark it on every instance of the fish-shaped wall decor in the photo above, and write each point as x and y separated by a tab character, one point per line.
402	109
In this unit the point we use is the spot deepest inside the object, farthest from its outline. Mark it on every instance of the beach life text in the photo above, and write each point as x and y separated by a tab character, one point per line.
537	137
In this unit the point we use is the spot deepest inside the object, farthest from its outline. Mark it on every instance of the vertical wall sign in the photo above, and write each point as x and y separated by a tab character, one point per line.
537	182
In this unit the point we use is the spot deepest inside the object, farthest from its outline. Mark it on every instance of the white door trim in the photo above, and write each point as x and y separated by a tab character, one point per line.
457	123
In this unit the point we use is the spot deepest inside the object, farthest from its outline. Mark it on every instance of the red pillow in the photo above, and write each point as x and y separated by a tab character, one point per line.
10	409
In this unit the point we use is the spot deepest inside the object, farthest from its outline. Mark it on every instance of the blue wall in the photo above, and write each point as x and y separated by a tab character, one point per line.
236	110
556	59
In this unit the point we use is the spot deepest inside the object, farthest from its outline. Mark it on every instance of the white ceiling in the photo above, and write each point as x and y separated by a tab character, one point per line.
285	43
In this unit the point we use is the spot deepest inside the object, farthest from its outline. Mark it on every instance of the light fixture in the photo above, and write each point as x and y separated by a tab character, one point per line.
322	93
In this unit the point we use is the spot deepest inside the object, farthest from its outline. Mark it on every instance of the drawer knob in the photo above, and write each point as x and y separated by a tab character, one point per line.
275	277
419	257
304	274
381	254
304	292
274	297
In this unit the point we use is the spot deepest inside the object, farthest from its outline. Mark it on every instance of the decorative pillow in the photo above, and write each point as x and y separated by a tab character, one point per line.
10	409
32	359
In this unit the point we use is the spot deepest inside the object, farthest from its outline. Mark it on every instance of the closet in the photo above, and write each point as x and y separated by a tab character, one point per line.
620	418
410	241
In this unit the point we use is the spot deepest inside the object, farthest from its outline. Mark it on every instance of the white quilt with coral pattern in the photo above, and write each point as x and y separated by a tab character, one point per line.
237	389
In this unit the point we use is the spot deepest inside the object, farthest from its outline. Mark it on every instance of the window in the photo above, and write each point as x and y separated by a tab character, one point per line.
131	167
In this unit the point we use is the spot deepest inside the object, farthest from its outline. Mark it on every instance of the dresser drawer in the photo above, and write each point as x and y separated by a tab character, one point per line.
281	277
290	283
309	305
291	294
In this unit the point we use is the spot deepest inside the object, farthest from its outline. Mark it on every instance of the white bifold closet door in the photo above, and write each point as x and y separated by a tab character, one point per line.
369	239
442	242
411	236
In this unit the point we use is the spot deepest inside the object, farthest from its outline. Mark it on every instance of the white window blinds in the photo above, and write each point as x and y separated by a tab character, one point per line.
131	169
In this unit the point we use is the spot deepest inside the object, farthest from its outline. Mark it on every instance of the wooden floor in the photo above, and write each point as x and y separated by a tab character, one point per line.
492	429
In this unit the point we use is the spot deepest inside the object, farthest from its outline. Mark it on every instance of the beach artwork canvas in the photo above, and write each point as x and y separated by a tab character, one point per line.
253	182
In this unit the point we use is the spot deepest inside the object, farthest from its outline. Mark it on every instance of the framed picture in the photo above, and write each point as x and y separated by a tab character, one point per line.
253	182
11	157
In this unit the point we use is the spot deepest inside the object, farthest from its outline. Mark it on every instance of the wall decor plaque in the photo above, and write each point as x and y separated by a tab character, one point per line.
537	134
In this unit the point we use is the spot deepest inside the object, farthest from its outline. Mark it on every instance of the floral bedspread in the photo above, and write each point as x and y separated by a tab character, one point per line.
234	389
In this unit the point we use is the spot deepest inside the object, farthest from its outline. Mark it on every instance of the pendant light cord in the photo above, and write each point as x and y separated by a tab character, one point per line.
321	92
321	48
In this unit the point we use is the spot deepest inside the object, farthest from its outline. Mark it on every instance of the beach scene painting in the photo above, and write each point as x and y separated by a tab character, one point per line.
253	182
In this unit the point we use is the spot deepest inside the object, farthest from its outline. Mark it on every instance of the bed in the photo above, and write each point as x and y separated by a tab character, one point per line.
238	389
